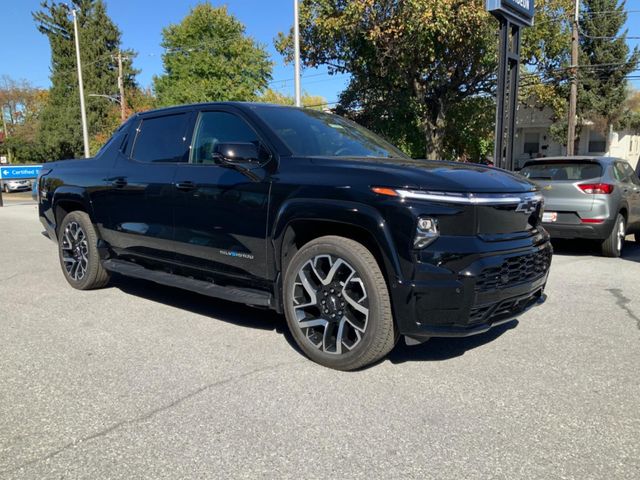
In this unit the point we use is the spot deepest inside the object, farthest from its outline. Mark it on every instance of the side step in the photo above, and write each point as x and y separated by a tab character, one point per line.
240	295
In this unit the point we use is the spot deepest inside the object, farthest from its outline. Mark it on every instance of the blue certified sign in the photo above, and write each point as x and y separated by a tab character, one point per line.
16	172
518	11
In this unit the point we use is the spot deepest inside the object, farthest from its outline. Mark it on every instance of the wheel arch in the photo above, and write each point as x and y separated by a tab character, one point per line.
67	200
300	221
624	211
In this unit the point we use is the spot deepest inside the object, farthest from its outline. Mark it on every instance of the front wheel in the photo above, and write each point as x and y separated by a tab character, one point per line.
337	304
612	246
78	251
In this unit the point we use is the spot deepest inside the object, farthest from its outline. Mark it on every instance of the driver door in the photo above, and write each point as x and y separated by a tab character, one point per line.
220	215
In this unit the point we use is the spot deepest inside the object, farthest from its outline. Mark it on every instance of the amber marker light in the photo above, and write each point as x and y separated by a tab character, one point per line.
389	192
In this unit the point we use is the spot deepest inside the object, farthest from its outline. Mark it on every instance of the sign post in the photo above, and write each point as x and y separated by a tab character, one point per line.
513	15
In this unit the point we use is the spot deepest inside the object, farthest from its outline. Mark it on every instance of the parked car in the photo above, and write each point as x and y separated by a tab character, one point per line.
590	198
305	213
15	185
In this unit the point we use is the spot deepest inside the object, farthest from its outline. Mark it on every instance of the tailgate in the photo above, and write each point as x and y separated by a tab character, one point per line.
559	181
565	197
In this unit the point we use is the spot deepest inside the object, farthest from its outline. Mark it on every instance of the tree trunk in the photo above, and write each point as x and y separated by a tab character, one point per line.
434	127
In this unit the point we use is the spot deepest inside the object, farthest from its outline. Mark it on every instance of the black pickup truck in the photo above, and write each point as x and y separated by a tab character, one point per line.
305	213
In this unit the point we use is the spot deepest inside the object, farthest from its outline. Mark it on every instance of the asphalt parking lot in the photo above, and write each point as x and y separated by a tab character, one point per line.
142	381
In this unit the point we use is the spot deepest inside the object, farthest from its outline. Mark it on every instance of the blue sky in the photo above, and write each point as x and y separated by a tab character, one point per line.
25	52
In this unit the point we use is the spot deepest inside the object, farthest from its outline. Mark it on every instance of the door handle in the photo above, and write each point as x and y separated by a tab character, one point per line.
119	182
185	186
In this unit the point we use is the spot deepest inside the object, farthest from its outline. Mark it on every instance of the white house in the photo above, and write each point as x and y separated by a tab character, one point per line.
533	139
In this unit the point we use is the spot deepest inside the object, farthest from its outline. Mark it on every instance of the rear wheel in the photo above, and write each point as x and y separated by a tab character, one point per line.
337	304
78	252
612	246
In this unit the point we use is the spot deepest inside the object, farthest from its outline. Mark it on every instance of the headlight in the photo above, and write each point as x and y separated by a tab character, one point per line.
426	232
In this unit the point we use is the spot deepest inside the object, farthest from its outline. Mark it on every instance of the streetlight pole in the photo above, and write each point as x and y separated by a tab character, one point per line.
573	95
296	53
83	112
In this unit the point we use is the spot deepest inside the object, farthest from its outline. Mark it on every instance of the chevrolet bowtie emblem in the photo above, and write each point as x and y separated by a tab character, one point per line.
527	206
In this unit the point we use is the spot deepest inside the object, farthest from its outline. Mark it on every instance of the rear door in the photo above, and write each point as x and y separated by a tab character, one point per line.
140	193
631	191
221	213
560	180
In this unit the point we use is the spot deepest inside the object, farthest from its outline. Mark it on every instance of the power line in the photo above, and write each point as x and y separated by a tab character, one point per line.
609	12
285	80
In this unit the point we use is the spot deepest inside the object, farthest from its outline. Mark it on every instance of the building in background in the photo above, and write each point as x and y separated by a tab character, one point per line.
533	139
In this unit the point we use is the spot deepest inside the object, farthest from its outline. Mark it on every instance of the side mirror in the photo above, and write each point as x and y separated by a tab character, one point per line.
237	153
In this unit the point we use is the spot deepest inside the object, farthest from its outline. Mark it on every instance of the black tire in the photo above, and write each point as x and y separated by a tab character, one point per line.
371	336
78	245
637	238
5	188
612	246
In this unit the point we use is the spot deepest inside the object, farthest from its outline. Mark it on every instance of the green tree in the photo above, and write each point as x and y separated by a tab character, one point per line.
605	61
22	105
208	57
310	101
546	50
469	133
411	62
61	131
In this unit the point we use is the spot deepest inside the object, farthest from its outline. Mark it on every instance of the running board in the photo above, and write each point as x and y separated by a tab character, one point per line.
240	295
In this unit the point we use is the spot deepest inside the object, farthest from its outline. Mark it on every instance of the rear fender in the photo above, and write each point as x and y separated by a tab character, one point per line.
65	199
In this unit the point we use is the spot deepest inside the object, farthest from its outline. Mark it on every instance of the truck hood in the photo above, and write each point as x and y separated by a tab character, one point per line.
436	175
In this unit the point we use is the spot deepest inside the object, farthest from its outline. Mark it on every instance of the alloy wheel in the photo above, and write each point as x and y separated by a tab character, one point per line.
331	304
75	251
621	234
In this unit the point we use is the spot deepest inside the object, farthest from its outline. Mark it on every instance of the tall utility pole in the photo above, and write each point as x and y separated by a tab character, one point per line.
6	134
5	130
123	109
296	52
83	112
573	96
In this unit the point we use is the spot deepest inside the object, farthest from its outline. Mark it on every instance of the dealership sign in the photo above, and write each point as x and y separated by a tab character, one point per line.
17	172
517	11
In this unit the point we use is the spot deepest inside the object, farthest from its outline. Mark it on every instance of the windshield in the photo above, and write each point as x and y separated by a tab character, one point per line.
310	133
571	171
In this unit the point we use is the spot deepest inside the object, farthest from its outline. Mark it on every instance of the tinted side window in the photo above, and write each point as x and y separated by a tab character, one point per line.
161	139
215	128
619	173
630	174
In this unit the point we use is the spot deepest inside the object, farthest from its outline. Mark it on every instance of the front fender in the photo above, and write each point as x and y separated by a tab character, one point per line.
337	211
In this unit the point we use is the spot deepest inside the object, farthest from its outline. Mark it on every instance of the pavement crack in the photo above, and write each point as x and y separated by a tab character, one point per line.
144	417
623	302
10	277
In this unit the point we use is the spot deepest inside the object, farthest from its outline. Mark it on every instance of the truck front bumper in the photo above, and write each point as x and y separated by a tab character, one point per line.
490	290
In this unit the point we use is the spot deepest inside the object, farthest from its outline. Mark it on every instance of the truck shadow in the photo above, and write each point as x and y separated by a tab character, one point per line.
587	248
436	349
216	309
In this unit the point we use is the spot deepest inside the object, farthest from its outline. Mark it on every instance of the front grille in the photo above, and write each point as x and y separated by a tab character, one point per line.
514	270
